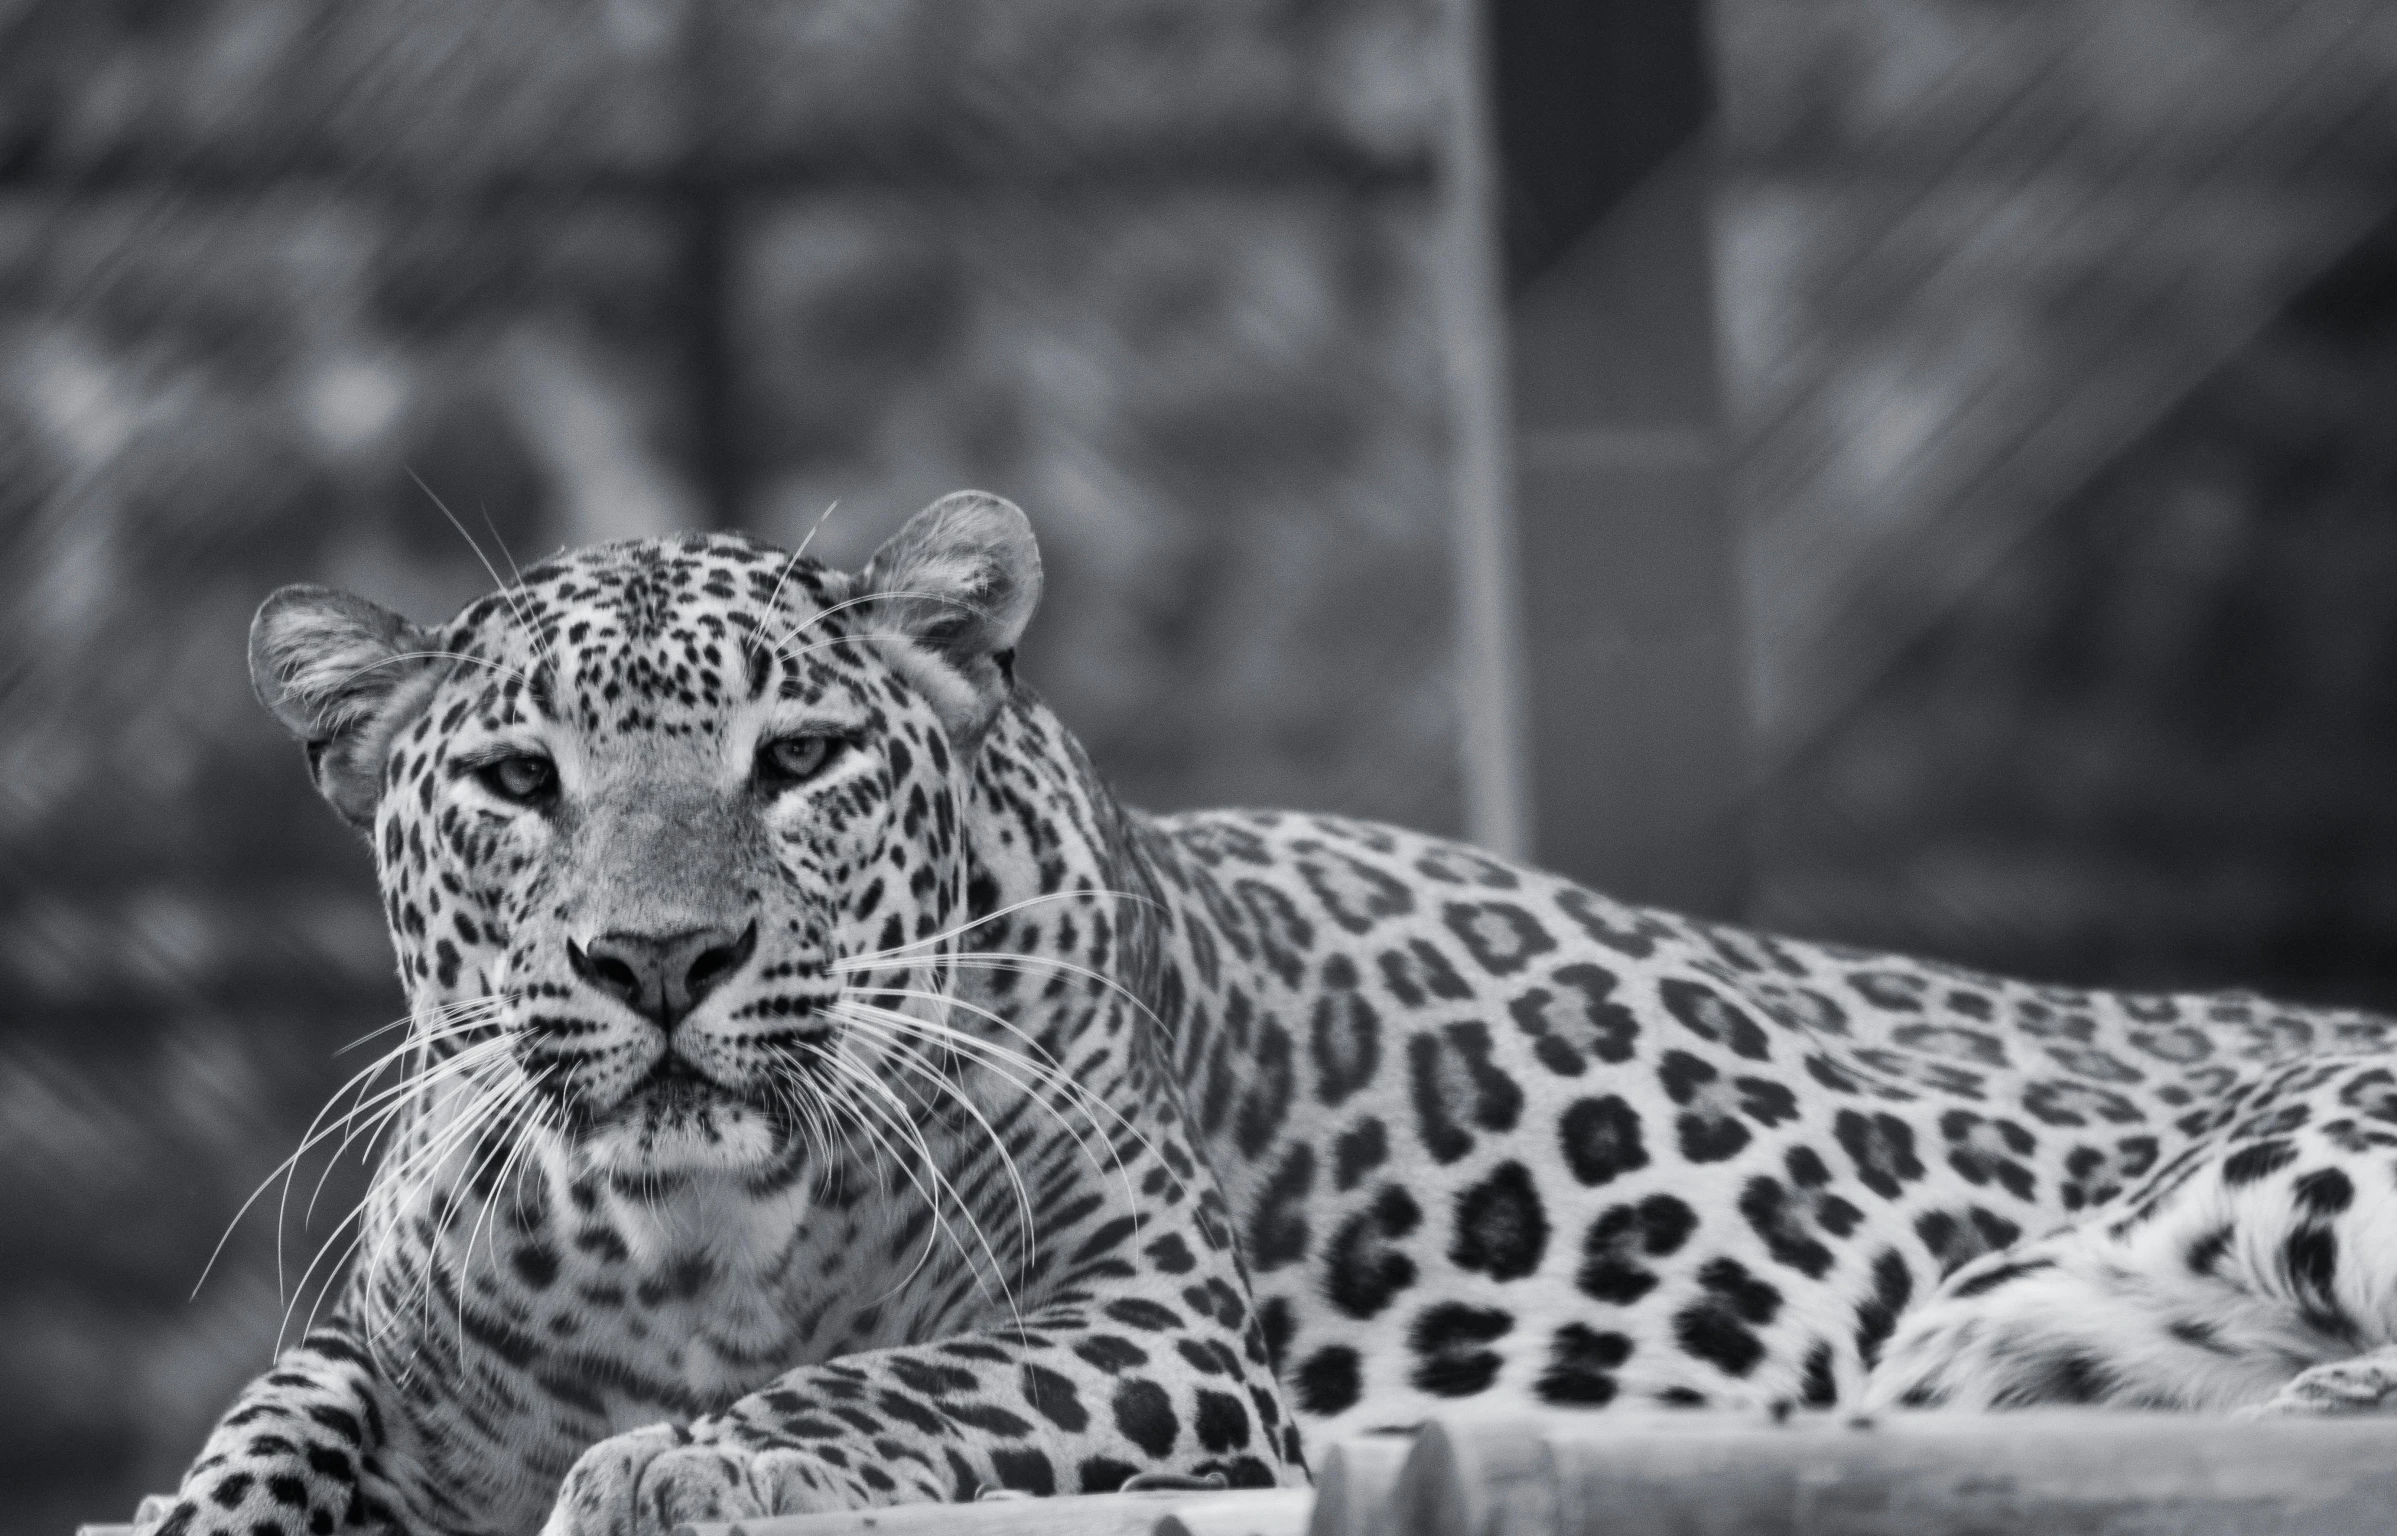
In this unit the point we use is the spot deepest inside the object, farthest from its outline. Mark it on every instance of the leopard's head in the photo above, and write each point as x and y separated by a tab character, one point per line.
641	818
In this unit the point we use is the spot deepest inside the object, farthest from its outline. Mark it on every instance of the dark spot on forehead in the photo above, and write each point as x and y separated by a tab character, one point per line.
643	635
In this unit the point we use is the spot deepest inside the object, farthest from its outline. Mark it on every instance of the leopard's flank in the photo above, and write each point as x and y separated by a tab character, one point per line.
819	1092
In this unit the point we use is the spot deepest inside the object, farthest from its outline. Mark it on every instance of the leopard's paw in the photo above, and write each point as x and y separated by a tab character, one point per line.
652	1480
605	1493
2358	1384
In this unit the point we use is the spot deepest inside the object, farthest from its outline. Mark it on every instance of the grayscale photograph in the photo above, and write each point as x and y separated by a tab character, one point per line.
1198	767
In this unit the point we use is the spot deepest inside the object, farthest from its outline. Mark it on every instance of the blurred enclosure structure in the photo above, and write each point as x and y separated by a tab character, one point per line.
1948	502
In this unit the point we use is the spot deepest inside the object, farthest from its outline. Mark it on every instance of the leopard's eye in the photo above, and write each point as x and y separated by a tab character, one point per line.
790	760
521	777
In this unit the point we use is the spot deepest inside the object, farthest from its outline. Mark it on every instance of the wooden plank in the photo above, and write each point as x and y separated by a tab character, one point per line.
1247	1512
1107	1514
2051	1472
1353	1483
1926	1474
1473	338
153	1508
1240	1512
1631	564
1633	690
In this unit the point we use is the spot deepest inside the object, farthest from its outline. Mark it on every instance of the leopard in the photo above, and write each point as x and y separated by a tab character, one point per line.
820	1092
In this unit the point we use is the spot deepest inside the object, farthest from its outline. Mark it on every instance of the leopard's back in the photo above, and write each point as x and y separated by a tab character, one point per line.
1488	1134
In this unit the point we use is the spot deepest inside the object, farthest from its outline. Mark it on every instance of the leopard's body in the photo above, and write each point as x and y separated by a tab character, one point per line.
1000	1136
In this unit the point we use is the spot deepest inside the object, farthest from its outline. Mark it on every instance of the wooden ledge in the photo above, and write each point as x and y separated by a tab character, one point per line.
1242	1512
1698	1474
1917	1474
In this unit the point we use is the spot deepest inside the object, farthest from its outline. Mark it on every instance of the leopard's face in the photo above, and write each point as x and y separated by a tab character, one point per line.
659	833
651	840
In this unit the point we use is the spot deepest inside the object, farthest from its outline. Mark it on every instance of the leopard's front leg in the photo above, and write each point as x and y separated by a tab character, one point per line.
299	1454
1088	1391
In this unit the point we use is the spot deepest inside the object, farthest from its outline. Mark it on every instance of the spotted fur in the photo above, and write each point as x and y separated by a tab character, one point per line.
821	1093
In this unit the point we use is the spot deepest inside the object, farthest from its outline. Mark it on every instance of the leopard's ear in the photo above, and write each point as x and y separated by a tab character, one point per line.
949	597
343	676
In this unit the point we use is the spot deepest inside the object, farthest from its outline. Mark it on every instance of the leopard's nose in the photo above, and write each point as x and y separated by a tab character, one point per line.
662	977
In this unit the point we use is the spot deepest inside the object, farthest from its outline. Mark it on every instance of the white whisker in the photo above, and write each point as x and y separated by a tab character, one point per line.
821	614
315	1137
866	958
998	1143
481	661
866	1117
1050	1071
774	598
940	1180
514	595
994	1060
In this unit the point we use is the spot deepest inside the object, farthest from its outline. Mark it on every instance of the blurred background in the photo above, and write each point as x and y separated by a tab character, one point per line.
1918	472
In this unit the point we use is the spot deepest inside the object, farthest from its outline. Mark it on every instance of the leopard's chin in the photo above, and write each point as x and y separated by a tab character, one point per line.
677	1120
